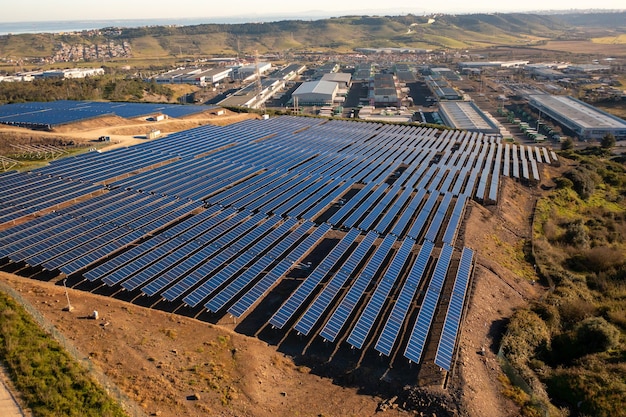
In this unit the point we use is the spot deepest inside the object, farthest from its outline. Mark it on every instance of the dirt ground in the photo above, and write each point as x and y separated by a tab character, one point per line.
123	132
172	365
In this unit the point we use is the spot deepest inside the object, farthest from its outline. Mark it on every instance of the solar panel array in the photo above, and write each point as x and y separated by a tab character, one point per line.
215	217
55	113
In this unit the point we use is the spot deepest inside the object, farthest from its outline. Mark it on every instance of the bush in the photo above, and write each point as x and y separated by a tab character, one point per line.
576	234
525	333
595	334
583	180
563	182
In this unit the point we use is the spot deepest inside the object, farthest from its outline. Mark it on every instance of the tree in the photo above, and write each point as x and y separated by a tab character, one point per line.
607	141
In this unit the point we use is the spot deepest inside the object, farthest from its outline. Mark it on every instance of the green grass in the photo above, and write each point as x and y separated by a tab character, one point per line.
587	266
51	383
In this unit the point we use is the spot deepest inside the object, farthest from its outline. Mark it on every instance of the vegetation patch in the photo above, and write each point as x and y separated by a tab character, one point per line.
570	345
51	383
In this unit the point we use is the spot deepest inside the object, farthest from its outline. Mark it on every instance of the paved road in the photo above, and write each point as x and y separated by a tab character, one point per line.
8	406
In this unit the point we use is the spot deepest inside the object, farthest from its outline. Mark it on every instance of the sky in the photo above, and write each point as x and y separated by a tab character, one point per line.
249	10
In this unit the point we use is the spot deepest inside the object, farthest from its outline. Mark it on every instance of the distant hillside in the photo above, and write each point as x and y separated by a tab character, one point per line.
341	34
594	20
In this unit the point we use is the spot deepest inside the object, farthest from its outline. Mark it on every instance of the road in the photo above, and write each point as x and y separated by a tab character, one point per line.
8	405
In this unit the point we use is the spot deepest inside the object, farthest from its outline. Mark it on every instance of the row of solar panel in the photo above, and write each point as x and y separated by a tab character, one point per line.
65	111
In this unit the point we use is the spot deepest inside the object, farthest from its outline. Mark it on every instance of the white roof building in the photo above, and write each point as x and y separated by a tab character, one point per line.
588	122
316	93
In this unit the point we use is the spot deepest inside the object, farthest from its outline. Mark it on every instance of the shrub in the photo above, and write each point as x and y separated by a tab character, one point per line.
525	333
583	180
563	182
595	334
576	234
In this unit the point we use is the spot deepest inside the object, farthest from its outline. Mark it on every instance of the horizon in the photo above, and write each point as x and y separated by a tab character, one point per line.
43	11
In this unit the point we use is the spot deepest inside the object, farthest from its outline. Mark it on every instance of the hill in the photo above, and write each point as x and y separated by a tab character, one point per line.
341	34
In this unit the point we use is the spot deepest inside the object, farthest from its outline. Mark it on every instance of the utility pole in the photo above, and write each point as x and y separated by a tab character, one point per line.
259	85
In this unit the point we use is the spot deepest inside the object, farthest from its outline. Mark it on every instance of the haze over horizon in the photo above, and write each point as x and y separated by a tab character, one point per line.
249	10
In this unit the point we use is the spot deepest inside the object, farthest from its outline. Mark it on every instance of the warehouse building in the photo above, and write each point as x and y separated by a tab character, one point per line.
251	97
586	121
72	73
316	93
343	79
384	91
466	115
249	71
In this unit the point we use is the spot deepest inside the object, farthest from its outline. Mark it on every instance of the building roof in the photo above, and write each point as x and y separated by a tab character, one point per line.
582	114
466	115
316	87
337	77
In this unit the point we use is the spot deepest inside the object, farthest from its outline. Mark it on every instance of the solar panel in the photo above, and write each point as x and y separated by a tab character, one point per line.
234	287
369	315
257	291
355	293
417	340
455	219
447	342
423	216
332	288
401	307
295	300
437	221
213	256
217	254
408	214
351	204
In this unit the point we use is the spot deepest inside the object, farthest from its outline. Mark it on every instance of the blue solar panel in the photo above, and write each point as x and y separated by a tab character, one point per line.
418	337
49	114
257	291
306	288
235	286
330	291
423	216
440	215
401	307
408	214
217	254
455	220
447	342
369	315
354	294
351	204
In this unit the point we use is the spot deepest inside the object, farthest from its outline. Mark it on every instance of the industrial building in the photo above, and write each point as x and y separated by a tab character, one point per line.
363	72
251	97
586	121
343	79
384	91
289	72
441	89
249	71
316	93
71	73
195	76
466	115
